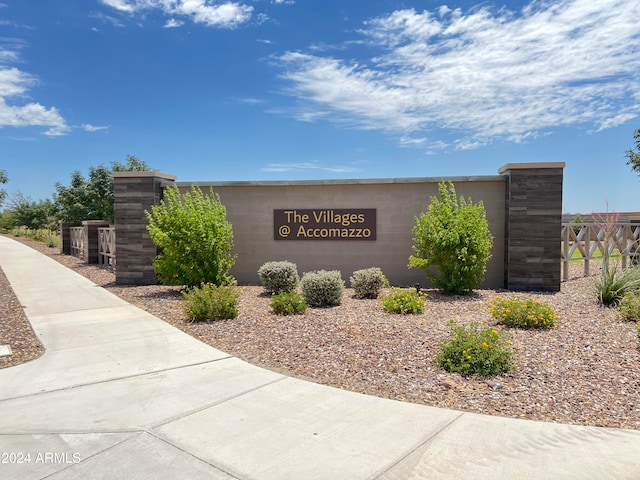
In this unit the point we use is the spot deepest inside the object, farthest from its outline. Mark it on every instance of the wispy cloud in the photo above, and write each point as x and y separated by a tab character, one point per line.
87	127
213	14
481	75
292	167
14	84
173	23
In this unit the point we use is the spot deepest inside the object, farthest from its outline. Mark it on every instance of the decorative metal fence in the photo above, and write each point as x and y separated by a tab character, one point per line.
77	241
107	246
595	241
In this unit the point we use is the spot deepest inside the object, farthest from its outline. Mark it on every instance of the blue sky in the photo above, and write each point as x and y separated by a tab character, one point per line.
310	89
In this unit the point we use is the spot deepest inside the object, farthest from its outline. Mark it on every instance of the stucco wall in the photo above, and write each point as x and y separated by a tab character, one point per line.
250	207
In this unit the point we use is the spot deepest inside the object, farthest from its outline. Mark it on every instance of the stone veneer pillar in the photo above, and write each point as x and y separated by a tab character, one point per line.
135	192
65	237
533	225
91	240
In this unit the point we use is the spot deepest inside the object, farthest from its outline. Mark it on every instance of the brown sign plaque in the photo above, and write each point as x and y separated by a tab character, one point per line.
325	224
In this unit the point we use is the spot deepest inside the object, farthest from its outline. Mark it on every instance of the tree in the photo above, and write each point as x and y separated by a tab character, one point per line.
32	215
634	157
92	198
194	237
3	179
453	236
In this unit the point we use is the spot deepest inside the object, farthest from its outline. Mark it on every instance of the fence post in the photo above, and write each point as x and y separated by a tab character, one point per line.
135	192
91	240
533	225
65	237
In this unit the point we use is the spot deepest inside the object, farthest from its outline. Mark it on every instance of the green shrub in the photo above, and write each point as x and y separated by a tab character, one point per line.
368	282
404	301
277	277
322	288
472	349
613	284
516	312
194	237
288	303
629	307
211	302
453	237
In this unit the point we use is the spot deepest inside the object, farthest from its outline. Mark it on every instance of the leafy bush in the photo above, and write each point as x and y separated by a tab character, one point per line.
629	307
194	237
211	302
613	284
368	282
288	303
516	312
322	288
277	277
404	301
472	349
453	236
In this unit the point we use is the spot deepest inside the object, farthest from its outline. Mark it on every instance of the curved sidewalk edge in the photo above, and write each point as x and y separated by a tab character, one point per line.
120	394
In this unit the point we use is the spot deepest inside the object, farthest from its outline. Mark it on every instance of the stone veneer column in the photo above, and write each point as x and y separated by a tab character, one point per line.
91	240
65	237
135	192
533	225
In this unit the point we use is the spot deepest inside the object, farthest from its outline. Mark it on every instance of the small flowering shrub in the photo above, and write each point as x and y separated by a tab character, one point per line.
322	288
210	302
279	277
516	312
475	350
404	301
288	303
629	307
368	282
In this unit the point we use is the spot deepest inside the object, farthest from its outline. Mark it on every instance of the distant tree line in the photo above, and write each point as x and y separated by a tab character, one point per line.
83	199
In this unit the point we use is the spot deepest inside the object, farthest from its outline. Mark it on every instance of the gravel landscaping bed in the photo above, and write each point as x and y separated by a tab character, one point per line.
585	371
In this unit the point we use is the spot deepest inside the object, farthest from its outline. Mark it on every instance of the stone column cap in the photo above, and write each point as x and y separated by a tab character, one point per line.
530	166
156	174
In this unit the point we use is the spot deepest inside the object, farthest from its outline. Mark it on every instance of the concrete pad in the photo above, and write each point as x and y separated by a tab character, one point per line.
5	350
133	403
37	456
484	447
58	369
143	457
100	326
56	298
300	430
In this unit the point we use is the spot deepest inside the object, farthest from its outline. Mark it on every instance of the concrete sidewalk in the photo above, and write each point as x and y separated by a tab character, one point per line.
120	394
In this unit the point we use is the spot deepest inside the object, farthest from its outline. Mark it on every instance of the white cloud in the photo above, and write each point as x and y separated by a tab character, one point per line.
15	83
290	167
87	127
173	23
213	14
481	75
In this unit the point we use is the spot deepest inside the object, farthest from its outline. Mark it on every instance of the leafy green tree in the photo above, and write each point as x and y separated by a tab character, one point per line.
92	198
32	215
3	179
634	157
194	237
453	237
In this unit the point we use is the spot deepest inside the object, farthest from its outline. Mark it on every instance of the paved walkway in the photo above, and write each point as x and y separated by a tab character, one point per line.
120	394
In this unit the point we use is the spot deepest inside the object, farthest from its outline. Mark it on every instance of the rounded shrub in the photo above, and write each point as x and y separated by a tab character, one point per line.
368	282
211	302
277	277
404	301
475	350
517	312
322	288
288	303
452	242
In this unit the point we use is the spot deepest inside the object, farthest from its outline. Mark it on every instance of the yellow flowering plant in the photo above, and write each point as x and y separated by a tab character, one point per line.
404	301
474	350
525	313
